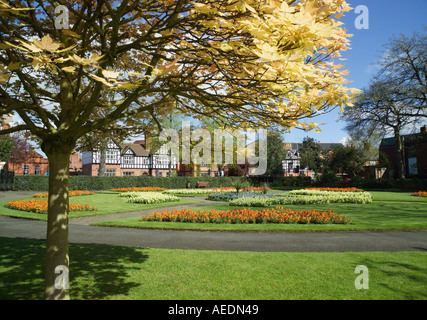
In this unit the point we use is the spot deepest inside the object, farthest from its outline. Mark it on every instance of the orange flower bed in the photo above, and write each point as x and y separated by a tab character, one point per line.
249	189
352	189
40	206
139	189
420	194
71	193
277	215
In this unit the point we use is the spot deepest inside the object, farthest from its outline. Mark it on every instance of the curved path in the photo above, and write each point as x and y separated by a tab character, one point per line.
81	232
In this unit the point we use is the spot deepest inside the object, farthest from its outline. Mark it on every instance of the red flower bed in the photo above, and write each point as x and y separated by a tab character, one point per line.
277	215
40	206
139	189
71	193
352	189
420	194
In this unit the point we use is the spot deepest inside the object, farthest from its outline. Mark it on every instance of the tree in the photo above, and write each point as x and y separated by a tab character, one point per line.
345	159
276	155
248	63
6	145
404	68
310	155
20	152
379	109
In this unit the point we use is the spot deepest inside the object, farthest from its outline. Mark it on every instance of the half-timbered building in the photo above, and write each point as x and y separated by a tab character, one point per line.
129	159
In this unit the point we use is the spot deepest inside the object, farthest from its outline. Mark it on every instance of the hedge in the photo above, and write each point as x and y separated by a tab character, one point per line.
40	183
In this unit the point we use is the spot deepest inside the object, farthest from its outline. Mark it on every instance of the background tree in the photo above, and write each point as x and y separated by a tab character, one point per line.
396	97
6	144
348	160
403	67
20	152
251	64
310	155
276	154
379	110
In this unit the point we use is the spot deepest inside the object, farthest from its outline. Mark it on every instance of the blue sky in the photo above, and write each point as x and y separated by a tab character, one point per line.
386	18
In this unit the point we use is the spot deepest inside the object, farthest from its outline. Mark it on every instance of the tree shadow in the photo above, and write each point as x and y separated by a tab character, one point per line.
96	271
391	274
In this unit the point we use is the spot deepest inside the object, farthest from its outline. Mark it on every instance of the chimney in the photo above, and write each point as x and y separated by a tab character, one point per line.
423	129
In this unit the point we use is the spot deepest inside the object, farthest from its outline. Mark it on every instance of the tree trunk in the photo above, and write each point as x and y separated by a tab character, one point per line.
399	157
57	260
103	157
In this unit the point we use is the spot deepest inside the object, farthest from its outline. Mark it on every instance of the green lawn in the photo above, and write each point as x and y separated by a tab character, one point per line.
388	211
106	202
113	272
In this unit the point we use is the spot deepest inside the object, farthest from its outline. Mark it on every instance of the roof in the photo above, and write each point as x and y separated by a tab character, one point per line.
409	139
137	149
323	146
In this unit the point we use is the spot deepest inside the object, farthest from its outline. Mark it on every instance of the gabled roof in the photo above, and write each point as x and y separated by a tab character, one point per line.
137	149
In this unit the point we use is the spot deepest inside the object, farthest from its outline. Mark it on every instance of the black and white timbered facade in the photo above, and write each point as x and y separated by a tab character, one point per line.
129	159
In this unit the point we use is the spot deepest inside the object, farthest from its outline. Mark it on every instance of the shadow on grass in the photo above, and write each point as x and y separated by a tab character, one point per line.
96	271
391	275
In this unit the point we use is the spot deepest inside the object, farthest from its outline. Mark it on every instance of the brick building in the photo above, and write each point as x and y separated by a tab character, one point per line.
35	164
414	154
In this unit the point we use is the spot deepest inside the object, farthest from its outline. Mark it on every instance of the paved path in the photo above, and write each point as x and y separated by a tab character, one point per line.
81	232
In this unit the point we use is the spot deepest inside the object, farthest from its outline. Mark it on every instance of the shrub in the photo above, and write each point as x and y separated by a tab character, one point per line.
41	183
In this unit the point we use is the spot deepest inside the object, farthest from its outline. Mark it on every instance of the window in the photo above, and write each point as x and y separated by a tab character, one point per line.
162	160
36	170
108	172
128	173
128	159
111	155
146	160
26	170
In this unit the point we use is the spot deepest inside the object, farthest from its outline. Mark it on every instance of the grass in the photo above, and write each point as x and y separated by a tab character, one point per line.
103	272
105	202
388	211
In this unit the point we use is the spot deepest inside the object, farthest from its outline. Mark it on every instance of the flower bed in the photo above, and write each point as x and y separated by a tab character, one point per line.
147	189
352	189
277	215
304	197
420	194
148	197
41	206
71	193
227	196
201	191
